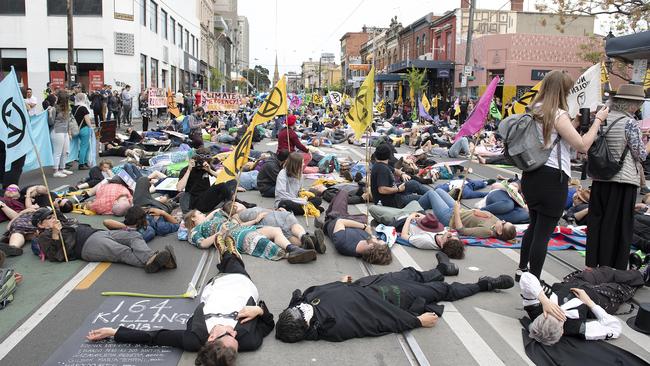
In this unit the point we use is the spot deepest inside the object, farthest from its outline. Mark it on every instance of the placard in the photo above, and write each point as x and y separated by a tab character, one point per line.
221	101
135	313
95	80
157	98
57	80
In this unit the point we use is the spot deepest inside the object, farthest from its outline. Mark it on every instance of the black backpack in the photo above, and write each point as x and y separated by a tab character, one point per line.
601	162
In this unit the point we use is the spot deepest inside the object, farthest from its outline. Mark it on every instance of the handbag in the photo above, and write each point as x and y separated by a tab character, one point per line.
73	127
601	161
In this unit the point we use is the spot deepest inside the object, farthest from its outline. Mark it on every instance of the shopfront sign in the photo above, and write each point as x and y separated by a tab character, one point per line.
538	74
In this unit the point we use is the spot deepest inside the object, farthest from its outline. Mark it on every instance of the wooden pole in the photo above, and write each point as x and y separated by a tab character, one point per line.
471	156
49	196
367	163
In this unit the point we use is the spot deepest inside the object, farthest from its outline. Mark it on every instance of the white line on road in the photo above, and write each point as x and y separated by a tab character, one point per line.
19	334
509	329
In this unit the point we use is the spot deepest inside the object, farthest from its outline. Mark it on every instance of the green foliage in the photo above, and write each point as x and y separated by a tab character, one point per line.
416	81
625	16
216	78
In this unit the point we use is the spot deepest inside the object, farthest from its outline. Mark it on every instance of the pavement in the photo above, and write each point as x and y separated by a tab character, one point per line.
55	298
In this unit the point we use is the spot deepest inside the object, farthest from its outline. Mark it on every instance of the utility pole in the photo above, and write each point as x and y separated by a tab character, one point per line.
70	46
320	59
468	49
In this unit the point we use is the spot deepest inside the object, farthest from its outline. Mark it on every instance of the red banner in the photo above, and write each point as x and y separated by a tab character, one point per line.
95	80
57	80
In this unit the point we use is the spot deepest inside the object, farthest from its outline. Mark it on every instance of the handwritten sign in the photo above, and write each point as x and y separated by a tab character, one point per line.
222	101
157	98
134	313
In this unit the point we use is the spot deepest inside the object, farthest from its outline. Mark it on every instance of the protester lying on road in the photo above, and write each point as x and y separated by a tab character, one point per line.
150	222
393	302
424	231
230	319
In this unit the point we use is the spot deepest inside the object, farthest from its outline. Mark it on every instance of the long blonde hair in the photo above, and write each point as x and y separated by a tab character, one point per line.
552	96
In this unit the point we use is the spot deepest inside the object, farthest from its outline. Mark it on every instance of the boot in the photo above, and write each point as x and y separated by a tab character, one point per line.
306	242
157	261
319	241
171	264
445	266
299	255
499	283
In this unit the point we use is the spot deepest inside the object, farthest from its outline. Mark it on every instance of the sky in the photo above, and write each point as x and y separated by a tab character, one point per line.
305	28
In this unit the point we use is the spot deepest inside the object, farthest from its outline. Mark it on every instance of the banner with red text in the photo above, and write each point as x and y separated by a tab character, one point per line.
157	98
221	101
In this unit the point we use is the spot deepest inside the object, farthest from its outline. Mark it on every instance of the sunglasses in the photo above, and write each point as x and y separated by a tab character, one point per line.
11	189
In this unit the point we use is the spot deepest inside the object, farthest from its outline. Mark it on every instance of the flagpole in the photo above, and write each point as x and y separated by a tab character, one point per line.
49	196
471	156
368	173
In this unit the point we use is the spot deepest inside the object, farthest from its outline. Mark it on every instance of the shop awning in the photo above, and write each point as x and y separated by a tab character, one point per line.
403	66
630	47
389	77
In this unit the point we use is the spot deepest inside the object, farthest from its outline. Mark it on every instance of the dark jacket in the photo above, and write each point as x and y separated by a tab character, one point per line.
290	143
249	335
268	175
74	237
94	176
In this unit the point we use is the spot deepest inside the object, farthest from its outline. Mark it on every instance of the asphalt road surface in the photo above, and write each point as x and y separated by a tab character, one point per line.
55	298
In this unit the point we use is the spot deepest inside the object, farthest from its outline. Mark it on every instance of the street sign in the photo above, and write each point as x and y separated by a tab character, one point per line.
73	69
463	81
639	70
468	70
73	78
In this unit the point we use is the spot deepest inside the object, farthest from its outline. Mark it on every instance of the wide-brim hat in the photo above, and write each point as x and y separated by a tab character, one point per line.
641	321
430	223
631	91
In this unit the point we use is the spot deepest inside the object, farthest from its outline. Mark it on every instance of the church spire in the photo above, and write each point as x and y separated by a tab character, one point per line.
276	74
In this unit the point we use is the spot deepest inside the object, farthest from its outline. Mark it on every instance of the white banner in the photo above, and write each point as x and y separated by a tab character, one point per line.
586	92
335	98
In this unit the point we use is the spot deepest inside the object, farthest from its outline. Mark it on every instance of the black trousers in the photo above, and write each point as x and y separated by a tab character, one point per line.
269	193
12	176
213	196
297	208
641	234
145	123
232	264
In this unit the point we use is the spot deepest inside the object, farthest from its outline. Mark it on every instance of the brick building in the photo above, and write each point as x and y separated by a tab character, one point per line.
351	43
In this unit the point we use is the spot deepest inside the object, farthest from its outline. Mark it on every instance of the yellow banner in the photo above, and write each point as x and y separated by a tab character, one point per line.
399	95
360	114
275	104
381	106
646	82
434	102
425	102
172	107
519	107
317	98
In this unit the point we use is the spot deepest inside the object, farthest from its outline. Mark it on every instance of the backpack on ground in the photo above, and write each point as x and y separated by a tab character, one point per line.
7	286
329	164
602	164
522	142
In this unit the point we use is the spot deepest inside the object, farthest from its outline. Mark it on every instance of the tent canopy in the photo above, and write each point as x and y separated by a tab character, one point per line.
630	47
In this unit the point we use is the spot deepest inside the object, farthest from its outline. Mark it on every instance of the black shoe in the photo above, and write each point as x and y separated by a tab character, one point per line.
490	182
157	261
11	251
636	260
499	283
548	291
171	264
300	255
318	223
319	241
445	266
358	177
83	167
306	242
246	204
520	272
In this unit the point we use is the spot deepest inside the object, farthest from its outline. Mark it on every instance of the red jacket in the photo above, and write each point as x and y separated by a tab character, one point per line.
290	143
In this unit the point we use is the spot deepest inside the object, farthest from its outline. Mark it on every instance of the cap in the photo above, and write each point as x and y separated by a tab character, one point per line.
41	214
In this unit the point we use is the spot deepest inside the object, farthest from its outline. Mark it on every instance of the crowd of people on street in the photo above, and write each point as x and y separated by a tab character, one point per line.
425	197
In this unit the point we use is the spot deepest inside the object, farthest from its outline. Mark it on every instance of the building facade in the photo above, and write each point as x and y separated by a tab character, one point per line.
142	43
351	43
243	41
330	73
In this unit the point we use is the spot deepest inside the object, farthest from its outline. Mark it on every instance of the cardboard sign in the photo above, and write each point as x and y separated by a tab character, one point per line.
134	313
221	101
157	98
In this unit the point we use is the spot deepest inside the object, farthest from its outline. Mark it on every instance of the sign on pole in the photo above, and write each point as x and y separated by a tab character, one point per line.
157	98
468	70
463	81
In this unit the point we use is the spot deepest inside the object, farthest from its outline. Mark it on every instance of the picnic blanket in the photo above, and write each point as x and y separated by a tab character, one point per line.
572	237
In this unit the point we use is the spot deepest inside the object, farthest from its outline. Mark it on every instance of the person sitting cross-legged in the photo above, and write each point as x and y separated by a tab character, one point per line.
231	318
392	302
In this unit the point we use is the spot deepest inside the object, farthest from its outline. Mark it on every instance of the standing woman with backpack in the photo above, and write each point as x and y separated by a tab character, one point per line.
613	193
545	188
59	134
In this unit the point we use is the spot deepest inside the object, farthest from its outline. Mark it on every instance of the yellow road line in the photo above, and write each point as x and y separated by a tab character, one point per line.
93	276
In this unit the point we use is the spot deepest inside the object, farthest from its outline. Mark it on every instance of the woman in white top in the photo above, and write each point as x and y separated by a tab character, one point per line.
545	189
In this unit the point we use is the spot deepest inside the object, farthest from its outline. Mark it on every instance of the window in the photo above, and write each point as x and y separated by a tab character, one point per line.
180	36
12	7
163	23
143	72
424	44
193	44
197	48
154	73
143	12
153	17
172	28
86	7
173	77
187	41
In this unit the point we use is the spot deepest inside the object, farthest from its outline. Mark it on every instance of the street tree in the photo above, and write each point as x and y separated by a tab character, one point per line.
625	16
417	83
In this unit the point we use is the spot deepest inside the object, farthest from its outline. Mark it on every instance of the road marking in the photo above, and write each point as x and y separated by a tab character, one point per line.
509	329
19	334
93	276
472	341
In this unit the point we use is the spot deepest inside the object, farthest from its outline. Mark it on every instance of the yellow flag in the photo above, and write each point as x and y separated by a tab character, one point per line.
425	102
275	104
317	98
646	82
604	78
399	95
360	114
381	106
412	97
519	106
434	102
172	107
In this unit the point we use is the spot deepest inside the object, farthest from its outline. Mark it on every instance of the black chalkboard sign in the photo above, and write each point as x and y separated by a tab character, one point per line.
135	313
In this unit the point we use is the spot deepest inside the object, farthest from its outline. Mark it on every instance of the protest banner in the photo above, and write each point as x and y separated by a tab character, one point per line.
218	101
157	98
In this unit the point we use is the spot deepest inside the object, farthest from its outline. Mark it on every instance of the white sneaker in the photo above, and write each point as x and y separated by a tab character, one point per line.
59	174
67	172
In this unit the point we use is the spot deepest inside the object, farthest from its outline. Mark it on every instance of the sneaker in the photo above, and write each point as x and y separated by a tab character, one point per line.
171	264
445	266
520	272
220	243
499	283
319	241
645	271
637	259
300	255
11	251
67	172
306	242
157	261
548	291
59	174
231	247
